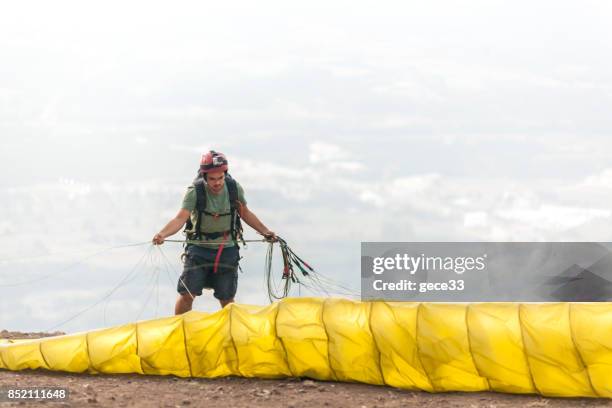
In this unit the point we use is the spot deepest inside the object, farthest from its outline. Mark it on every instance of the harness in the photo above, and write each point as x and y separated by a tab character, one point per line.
194	232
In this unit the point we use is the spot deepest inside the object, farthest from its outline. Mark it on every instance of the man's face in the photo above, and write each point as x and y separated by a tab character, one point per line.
216	181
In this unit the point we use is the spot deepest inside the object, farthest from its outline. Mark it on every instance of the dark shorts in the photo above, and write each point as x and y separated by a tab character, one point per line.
198	272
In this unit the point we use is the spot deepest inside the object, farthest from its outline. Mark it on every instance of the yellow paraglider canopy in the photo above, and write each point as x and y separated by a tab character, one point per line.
554	349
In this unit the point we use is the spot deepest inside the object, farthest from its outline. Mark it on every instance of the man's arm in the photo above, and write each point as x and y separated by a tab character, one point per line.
251	219
172	227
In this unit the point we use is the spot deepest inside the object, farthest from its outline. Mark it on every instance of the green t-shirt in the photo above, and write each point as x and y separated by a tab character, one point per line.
216	204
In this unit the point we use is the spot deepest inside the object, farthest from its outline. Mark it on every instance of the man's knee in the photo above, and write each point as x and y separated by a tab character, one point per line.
183	304
226	302
186	298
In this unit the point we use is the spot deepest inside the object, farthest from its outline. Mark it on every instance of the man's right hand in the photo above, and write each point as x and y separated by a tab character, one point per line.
173	226
158	239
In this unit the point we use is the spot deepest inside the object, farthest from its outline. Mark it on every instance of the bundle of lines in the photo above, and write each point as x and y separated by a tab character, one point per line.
305	276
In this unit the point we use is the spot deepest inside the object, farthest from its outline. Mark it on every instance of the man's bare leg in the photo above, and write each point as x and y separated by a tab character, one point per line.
183	304
226	302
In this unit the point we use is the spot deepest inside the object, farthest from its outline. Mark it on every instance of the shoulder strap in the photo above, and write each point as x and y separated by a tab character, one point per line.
200	188
236	225
232	189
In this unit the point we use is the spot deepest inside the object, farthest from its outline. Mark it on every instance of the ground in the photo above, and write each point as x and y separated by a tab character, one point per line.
153	391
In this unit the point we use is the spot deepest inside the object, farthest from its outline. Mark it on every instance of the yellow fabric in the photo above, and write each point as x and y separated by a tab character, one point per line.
555	349
161	347
496	344
395	332
67	353
22	355
445	350
299	325
210	346
260	351
114	350
591	326
555	363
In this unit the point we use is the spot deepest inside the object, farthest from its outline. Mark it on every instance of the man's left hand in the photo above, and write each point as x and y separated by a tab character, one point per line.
270	236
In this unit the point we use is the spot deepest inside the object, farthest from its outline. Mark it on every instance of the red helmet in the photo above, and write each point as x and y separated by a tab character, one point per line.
213	161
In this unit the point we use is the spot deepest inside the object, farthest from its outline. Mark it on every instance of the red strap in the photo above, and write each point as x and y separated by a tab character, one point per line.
219	252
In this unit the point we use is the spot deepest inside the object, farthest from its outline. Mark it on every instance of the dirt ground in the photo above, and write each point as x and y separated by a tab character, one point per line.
151	391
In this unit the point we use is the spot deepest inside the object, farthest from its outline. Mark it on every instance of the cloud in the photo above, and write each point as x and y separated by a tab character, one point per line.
321	153
413	89
593	188
190	148
552	218
333	157
57	304
475	219
600	180
425	193
329	168
482	208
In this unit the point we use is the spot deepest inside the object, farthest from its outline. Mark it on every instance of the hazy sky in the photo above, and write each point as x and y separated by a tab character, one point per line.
344	121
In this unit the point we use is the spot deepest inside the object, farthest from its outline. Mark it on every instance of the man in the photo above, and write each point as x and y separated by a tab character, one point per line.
212	209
